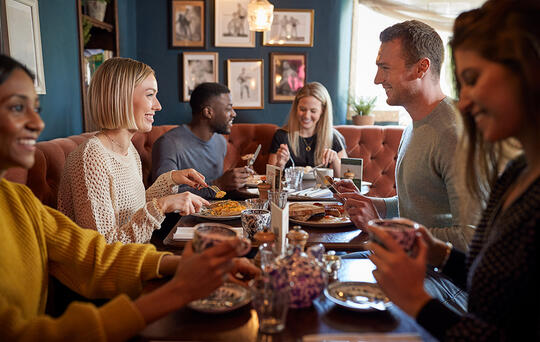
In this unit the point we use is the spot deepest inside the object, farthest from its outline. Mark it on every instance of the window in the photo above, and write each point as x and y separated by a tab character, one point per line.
368	24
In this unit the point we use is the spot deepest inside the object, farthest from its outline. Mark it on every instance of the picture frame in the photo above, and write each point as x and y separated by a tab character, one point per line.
198	67
231	24
21	36
291	27
187	23
288	73
245	80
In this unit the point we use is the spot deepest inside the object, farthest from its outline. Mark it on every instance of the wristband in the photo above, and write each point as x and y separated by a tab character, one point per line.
448	251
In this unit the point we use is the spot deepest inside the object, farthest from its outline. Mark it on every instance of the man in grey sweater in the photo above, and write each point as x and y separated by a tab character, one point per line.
428	189
200	144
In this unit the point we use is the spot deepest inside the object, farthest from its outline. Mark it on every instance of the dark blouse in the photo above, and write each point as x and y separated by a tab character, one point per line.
305	157
500	273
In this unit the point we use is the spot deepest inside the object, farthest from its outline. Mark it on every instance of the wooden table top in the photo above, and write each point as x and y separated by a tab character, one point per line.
323	317
347	238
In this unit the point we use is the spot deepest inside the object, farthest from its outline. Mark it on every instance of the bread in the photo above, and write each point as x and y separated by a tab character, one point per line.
304	211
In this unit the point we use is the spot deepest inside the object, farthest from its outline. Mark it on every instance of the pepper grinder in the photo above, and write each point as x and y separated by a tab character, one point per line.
265	239
297	236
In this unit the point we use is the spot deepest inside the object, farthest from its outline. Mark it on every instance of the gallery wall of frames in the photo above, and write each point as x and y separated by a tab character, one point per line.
288	70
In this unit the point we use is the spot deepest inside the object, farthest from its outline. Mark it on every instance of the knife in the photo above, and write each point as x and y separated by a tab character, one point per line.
255	155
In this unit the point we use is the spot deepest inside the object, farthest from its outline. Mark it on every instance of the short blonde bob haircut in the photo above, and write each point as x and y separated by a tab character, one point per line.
324	128
110	95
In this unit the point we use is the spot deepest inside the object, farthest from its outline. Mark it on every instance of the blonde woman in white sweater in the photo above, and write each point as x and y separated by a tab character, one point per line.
102	186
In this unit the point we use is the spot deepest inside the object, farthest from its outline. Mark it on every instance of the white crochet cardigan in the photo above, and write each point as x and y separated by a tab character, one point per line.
104	191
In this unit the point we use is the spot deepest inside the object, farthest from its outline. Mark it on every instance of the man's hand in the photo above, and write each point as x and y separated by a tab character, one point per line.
360	209
233	179
243	271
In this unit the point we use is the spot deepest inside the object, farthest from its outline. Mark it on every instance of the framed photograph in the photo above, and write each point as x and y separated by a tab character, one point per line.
187	23
291	27
21	37
287	75
198	67
231	24
245	80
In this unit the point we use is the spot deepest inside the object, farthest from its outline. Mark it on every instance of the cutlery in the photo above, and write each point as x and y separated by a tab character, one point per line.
255	155
219	193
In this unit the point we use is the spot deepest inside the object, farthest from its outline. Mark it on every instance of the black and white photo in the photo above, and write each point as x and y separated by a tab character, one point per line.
231	24
245	80
199	67
187	23
291	27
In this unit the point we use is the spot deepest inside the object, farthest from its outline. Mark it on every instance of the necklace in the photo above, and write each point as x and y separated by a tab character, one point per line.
308	146
114	142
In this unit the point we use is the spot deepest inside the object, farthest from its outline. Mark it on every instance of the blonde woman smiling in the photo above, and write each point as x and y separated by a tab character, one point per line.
102	186
308	138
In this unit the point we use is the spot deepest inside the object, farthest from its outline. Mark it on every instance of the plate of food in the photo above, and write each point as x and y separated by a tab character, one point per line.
228	297
357	296
222	210
319	214
254	180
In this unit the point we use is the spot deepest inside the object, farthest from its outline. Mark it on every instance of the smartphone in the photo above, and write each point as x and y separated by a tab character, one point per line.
329	182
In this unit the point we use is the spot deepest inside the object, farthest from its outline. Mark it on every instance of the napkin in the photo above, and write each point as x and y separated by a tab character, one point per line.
375	337
186	233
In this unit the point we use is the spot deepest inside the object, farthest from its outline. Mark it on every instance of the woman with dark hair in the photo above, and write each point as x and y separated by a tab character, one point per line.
38	242
496	53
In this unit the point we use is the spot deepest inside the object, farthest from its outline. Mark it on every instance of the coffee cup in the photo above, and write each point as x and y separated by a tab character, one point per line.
209	234
401	229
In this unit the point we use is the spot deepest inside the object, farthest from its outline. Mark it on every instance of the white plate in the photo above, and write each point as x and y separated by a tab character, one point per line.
357	296
319	224
228	297
254	180
216	217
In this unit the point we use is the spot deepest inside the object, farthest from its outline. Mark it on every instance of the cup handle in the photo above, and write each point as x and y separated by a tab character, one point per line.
243	247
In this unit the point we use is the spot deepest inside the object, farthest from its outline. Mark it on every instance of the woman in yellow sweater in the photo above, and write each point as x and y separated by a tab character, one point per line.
38	241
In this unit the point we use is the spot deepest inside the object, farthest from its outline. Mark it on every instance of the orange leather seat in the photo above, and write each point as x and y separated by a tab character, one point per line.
377	145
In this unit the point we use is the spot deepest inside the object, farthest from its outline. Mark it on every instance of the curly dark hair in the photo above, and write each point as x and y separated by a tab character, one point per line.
8	65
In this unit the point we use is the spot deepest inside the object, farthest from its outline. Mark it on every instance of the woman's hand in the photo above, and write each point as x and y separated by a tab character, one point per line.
330	157
400	277
189	177
243	271
283	155
184	203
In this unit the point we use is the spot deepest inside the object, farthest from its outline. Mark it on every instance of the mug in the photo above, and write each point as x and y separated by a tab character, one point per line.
401	229
254	220
209	234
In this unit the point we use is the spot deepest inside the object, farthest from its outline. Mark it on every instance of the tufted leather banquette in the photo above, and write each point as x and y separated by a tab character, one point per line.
377	145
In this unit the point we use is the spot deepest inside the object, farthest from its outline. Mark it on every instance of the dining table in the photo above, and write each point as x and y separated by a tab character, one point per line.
323	317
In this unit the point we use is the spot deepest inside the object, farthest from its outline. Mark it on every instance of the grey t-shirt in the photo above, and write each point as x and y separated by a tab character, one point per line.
426	178
180	149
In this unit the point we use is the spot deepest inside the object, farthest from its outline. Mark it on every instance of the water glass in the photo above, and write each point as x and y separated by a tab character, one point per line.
278	197
293	177
254	220
256	203
271	304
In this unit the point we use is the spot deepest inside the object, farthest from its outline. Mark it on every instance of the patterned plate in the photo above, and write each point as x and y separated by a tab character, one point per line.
358	296
229	297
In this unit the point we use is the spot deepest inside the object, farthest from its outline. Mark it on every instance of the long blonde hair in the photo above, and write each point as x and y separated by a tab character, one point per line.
324	127
110	94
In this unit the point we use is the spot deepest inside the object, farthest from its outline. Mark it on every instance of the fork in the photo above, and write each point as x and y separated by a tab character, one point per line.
219	193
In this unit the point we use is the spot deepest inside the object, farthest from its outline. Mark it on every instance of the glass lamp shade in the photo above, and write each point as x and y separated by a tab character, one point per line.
260	15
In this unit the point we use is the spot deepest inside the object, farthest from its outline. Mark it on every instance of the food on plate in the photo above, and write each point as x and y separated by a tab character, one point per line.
225	208
321	212
308	169
220	194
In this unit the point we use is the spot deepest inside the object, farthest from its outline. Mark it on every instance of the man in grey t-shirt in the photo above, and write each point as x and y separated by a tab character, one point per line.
428	190
200	144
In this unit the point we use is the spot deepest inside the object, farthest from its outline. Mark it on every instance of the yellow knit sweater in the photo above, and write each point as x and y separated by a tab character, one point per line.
36	241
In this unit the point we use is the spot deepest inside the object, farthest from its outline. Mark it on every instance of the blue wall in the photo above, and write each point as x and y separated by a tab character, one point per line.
144	36
61	105
328	59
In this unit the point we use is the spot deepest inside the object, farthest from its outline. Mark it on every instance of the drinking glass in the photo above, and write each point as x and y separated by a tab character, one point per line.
278	197
271	304
293	177
256	203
